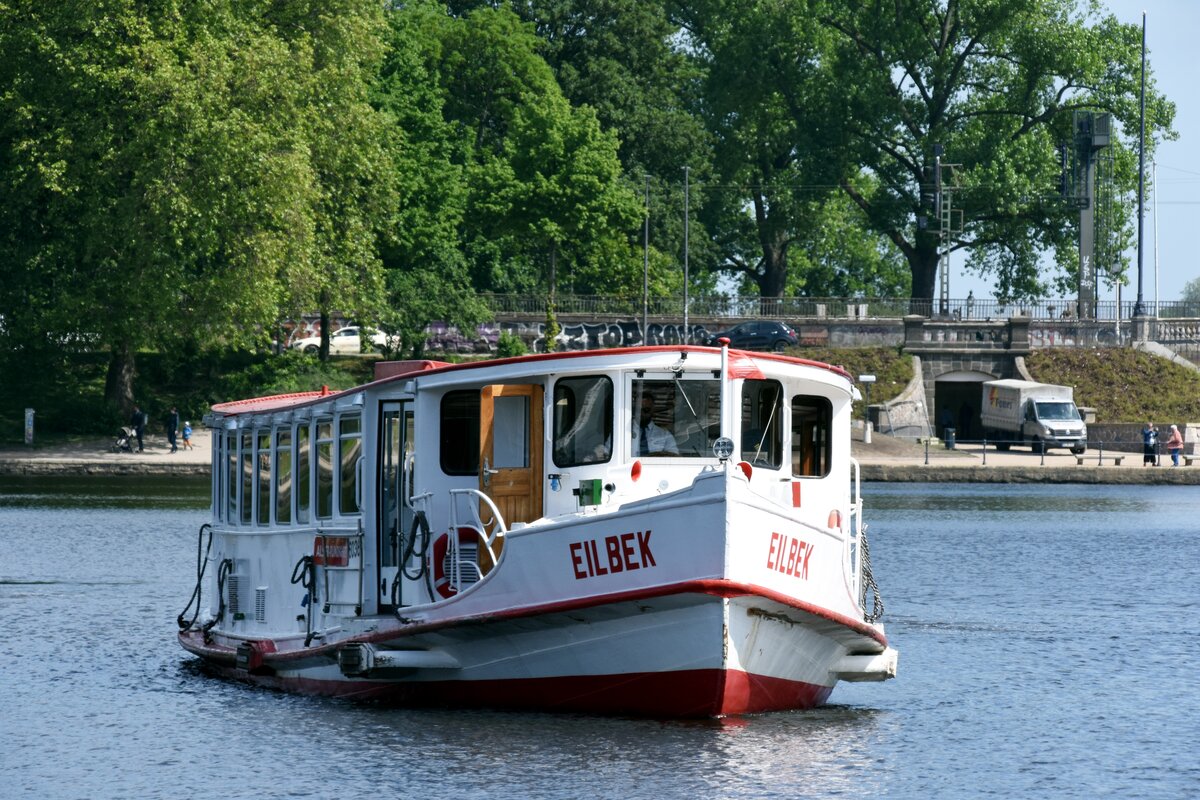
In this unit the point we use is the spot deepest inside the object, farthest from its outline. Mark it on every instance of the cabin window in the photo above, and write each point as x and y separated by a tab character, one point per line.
583	413
303	464
811	443
263	462
231	477
762	423
459	437
324	469
283	476
674	417
349	452
247	493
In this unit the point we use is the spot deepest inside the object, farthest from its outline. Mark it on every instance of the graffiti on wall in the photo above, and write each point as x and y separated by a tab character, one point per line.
574	336
578	336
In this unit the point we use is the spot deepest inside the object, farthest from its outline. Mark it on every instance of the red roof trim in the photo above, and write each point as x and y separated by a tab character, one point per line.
281	401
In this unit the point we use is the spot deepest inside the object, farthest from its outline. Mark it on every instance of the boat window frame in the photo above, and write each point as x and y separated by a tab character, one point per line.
823	407
246	476
602	451
323	494
713	411
459	436
281	496
348	487
263	471
303	464
750	420
229	486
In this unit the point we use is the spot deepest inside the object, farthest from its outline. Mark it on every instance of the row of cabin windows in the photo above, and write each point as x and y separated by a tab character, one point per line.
291	473
688	411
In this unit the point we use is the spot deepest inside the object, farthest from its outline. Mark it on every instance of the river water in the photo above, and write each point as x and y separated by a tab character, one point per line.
1048	639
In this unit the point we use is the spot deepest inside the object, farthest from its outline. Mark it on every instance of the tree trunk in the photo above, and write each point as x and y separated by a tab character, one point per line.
118	382
773	238
324	352
923	263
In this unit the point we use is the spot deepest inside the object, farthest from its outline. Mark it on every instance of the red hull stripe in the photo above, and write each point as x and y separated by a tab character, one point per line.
687	693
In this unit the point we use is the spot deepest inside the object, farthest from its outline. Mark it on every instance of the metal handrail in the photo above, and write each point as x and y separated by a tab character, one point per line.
754	306
351	534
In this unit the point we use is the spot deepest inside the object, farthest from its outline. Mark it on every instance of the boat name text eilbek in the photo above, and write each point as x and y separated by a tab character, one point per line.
789	556
585	555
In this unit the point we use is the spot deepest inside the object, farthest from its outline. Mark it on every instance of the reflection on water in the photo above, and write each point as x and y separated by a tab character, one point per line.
975	498
1044	632
141	491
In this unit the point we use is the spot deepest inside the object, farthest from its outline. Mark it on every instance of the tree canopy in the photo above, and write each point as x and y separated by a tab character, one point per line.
184	172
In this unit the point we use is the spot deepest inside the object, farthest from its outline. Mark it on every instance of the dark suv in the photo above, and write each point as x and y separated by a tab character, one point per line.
758	336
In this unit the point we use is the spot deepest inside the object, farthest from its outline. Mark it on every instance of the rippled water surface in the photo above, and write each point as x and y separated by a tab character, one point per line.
1048	639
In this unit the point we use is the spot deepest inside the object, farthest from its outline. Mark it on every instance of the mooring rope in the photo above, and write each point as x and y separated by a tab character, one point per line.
868	580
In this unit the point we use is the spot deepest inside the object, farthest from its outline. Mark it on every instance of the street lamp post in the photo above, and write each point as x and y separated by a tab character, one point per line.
866	381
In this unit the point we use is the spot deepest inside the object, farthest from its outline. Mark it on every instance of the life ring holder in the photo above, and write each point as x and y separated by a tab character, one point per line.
439	570
437	576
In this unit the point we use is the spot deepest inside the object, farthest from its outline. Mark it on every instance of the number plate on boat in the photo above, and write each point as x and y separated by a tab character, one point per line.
332	551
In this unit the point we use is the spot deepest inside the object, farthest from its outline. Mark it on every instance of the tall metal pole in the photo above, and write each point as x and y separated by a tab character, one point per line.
1154	188
646	268
686	214
1138	309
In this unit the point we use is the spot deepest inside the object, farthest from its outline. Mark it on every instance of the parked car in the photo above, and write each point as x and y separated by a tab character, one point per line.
345	340
772	335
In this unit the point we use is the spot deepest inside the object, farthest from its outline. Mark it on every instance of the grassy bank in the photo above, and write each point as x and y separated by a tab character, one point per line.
1122	384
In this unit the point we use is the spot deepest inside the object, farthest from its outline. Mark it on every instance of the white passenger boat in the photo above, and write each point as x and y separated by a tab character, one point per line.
670	531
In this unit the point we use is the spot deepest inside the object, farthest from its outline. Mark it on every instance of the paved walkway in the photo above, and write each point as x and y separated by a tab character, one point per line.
96	457
885	459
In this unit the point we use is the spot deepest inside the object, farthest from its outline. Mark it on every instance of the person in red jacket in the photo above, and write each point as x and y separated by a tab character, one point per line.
1175	445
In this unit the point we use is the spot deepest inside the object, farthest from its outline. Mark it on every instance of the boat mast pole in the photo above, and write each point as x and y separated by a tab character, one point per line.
725	394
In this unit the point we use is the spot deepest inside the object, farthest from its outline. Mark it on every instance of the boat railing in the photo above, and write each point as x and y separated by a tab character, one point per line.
854	539
469	502
329	546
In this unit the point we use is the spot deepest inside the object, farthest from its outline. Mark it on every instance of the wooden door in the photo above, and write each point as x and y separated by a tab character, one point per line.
511	451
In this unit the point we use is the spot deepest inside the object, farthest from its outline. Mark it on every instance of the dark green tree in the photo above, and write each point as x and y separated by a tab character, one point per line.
176	173
545	203
996	85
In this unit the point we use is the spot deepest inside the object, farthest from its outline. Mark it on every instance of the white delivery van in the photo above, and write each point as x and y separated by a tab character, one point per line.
1040	415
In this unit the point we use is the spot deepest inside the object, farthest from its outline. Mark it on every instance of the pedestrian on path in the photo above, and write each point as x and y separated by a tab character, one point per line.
173	428
1175	445
1149	445
138	422
187	436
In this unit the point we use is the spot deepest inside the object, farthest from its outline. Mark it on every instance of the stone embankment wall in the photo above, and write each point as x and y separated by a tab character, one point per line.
1127	437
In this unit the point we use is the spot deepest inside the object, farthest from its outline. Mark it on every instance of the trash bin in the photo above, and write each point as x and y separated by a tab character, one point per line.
949	437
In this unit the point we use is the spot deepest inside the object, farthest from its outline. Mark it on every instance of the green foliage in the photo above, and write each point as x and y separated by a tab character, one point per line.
1122	384
1191	293
69	399
509	345
553	329
996	85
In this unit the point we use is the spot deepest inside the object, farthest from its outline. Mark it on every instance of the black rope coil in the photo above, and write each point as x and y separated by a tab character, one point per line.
305	574
414	545
202	551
